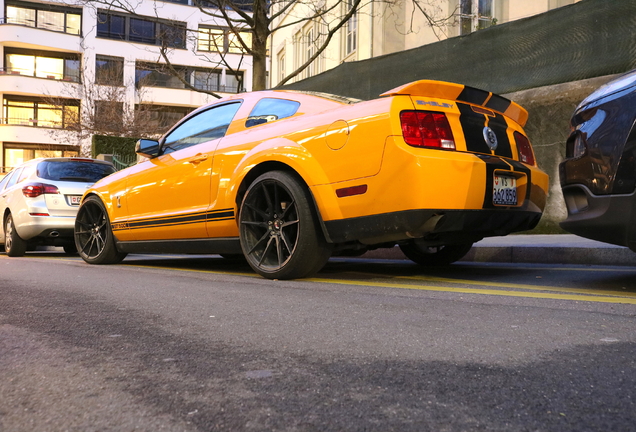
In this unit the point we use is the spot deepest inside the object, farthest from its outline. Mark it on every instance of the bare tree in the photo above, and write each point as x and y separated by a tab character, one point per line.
252	22
102	112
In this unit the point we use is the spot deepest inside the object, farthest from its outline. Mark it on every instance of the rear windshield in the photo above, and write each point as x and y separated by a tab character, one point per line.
79	171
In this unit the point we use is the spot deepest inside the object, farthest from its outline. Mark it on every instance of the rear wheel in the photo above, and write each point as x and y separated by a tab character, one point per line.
93	235
14	246
434	255
278	228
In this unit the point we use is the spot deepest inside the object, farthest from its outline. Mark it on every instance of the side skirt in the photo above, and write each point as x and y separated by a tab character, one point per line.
229	245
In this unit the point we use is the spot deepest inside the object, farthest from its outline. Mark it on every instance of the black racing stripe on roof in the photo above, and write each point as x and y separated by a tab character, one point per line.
499	127
498	103
473	95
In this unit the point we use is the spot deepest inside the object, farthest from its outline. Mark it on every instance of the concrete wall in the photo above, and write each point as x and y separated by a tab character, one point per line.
550	109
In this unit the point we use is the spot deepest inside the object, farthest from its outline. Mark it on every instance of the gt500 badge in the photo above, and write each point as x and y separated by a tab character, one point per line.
490	138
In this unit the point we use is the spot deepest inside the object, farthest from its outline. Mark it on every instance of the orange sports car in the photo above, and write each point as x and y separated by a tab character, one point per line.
288	179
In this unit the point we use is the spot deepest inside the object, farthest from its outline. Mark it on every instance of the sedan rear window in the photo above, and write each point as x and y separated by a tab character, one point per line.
78	171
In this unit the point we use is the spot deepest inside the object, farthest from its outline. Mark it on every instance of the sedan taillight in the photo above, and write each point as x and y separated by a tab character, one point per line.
33	190
524	149
427	129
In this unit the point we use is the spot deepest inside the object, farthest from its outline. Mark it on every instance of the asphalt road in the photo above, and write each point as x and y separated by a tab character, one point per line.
202	344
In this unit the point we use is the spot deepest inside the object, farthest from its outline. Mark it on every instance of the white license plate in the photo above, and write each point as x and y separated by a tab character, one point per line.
504	190
75	199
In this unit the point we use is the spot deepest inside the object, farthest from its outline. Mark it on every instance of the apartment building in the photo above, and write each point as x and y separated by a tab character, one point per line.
380	28
60	57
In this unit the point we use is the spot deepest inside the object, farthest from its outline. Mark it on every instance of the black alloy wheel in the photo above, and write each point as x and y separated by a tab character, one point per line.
93	235
278	228
434	255
14	245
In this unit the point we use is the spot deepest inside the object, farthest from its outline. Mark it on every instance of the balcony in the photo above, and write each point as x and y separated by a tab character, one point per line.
19	36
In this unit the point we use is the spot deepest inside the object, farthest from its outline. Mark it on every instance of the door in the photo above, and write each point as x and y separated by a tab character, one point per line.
168	196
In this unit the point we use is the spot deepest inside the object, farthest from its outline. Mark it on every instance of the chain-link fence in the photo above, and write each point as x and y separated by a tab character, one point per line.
587	39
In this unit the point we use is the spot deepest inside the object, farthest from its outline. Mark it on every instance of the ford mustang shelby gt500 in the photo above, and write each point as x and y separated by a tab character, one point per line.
288	179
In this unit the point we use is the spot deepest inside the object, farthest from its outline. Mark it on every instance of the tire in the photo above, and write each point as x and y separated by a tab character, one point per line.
434	255
278	228
93	234
14	246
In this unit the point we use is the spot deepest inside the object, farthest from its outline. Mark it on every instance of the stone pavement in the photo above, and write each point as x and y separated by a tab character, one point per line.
537	248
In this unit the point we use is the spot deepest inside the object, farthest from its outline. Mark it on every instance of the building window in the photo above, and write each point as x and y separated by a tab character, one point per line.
207	80
147	31
109	70
31	112
159	118
233	83
16	154
309	51
56	19
281	66
351	30
155	75
109	116
475	15
214	39
52	65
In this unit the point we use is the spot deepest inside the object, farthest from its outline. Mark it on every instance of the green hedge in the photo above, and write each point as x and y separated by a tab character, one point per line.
122	147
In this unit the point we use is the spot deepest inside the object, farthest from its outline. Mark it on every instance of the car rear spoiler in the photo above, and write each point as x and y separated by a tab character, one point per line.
462	93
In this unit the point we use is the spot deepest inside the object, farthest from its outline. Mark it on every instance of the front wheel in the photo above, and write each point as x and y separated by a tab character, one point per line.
434	255
278	228
93	235
14	245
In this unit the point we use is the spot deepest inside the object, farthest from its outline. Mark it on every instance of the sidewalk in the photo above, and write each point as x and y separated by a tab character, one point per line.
540	249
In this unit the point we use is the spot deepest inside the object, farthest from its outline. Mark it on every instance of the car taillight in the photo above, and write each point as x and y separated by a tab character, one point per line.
524	149
427	129
33	190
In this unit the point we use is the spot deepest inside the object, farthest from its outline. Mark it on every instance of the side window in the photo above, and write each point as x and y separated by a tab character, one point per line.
203	127
14	178
26	172
4	181
269	109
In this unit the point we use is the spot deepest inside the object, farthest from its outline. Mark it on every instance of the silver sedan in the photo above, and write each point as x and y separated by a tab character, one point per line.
39	201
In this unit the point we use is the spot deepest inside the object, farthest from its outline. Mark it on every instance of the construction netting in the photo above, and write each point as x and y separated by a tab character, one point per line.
587	39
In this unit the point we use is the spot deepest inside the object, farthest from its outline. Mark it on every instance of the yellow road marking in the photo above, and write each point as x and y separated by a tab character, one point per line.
519	286
576	297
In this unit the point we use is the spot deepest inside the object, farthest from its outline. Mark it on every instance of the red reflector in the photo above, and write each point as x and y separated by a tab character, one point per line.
39	214
353	190
524	149
33	190
427	129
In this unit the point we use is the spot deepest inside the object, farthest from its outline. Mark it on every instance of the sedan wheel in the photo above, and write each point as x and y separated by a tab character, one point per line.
14	246
434	255
93	235
278	229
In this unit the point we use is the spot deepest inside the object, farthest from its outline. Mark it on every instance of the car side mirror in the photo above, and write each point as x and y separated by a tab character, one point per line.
147	148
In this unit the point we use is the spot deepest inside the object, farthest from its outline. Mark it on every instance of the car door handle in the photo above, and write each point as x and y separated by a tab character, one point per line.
198	158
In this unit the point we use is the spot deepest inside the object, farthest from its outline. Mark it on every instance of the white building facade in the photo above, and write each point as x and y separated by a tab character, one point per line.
64	51
380	28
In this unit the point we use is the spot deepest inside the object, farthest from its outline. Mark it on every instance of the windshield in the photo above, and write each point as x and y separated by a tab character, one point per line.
79	171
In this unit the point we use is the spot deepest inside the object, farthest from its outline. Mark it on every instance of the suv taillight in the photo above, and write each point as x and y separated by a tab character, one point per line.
427	129
524	149
33	190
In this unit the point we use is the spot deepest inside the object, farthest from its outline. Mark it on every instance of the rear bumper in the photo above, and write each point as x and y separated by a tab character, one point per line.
606	218
438	227
46	227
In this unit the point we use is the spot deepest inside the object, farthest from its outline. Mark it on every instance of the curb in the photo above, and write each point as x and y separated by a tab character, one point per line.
535	249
